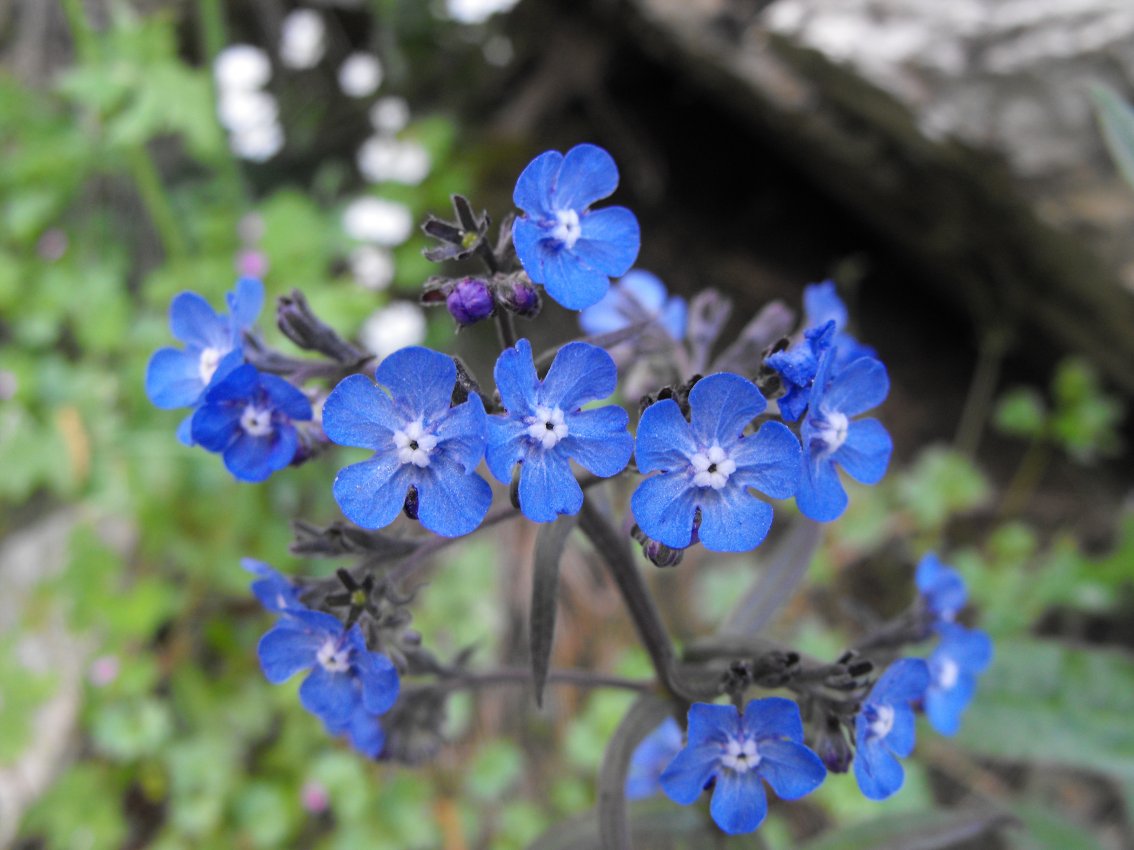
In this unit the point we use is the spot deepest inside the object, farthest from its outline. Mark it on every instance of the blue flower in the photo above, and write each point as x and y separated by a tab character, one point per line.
363	728
954	666
563	244
274	591
418	440
708	466
343	675
650	759
766	743
636	297
941	587
830	437
884	728
821	304
545	428
797	367
248	416
179	377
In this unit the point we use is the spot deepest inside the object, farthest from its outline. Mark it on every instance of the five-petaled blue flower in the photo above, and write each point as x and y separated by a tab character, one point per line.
941	587
884	727
821	304
707	467
650	759
766	743
248	416
797	367
954	666
545	428
637	297
563	244
343	675
418	440
274	591
178	377
830	437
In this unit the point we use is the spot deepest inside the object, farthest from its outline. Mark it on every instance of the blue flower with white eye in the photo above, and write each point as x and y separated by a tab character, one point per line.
637	297
832	438
419	440
274	591
797	367
954	666
941	587
707	467
765	744
821	304
884	728
178	377
563	244
650	759
343	674
545	428
248	417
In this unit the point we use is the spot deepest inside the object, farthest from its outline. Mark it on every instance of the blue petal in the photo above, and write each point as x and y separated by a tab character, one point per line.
196	324
256	458
822	304
357	413
587	174
598	441
185	431
665	440
239	385
673	317
650	759
821	496
904	681
245	303
567	279
605	316
331	696
366	734
768	461
645	288
739	803
420	381
547	487
274	591
214	426
721	406
581	372
534	186
790	768
944	707
866	452
516	379
970	648
609	240
508	443
371	493
902	735
773	717
941	586
173	379
732	520
663	507
685	778
288	648
379	678
451	502
879	774
858	387
286	397
528	239
462	433
714	724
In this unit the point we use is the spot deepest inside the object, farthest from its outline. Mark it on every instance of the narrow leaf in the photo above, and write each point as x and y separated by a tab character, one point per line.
930	830
642	718
550	542
1116	120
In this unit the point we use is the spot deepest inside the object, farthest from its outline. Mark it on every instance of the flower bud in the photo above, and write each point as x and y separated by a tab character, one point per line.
519	296
833	748
657	553
470	300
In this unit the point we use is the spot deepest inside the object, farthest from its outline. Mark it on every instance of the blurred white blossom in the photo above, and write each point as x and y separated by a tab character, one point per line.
377	220
372	268
360	75
242	66
476	11
393	327
302	39
246	109
258	143
384	158
390	114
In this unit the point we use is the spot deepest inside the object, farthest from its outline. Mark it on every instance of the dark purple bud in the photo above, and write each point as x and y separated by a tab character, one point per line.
409	508
520	297
470	300
832	746
657	553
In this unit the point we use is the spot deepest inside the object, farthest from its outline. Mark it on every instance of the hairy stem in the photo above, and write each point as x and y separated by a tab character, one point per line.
523	675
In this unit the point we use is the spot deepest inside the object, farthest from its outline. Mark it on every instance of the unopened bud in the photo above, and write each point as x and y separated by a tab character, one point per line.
470	301
519	296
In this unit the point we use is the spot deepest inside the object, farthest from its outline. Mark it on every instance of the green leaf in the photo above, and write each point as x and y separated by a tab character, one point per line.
1044	829
1116	120
940	484
1020	413
928	830
550	542
1045	703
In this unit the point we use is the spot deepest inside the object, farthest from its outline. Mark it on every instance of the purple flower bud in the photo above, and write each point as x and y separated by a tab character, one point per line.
519	296
470	300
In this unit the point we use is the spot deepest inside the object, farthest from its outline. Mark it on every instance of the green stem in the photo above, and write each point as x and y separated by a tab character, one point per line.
86	43
520	676
1027	478
148	182
505	329
982	391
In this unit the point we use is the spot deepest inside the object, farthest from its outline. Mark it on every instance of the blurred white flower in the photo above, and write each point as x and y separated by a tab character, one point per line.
379	221
383	158
242	66
393	327
258	143
244	109
372	268
477	11
302	39
390	114
360	75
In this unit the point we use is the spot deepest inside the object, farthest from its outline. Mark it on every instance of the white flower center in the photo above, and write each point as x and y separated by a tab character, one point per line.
882	720
568	229
830	431
414	445
334	657
207	364
947	673
256	421
711	468
547	426
740	756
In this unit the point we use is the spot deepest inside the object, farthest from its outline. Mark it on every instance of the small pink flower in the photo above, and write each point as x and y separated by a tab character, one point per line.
251	263
314	797
103	670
